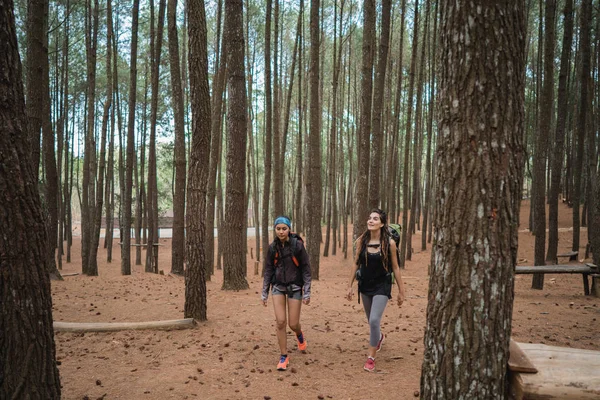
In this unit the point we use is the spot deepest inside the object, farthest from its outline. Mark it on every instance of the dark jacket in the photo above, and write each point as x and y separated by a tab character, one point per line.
287	269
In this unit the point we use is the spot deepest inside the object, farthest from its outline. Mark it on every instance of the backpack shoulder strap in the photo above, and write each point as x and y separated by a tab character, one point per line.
294	249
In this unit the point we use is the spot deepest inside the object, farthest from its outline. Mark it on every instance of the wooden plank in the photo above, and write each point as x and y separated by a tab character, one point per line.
568	254
553	269
563	373
518	361
120	326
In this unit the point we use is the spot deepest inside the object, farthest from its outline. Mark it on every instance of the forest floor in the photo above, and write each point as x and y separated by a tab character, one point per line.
234	354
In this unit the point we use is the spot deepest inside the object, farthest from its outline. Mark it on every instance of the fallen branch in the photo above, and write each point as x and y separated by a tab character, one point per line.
120	326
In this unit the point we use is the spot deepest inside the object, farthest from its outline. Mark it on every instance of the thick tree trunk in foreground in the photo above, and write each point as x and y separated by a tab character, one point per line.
234	256
480	168
195	273
27	353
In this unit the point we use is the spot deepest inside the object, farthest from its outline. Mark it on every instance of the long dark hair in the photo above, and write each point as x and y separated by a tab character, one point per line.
384	239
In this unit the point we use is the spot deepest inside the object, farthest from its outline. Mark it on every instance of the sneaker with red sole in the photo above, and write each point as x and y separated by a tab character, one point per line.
370	365
301	342
283	363
380	341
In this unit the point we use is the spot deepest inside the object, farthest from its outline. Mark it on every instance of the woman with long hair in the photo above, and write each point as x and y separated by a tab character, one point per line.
374	263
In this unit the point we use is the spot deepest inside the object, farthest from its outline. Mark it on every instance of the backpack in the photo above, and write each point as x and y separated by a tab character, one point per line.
277	259
395	230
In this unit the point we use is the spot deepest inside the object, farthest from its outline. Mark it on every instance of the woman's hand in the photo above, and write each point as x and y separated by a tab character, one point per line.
350	294
264	302
400	298
306	301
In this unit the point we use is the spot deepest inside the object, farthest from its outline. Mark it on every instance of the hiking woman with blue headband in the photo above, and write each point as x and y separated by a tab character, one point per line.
375	260
287	273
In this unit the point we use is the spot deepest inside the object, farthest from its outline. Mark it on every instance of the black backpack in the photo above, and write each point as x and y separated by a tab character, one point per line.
278	258
395	230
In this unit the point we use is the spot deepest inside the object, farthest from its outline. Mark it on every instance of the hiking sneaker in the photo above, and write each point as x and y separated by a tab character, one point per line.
370	365
301	342
283	363
380	341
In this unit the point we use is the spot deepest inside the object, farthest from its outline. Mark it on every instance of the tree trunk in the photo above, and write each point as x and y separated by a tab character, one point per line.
215	151
95	240
393	203
178	241
429	174
277	173
234	256
195	273
299	148
407	140
89	159
313	184
585	14
378	102
541	147
418	151
480	159
49	160
152	195
562	106
363	143
126	227
27	351
268	151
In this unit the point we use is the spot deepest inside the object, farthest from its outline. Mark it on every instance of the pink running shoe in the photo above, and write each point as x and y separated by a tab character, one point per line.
370	365
380	341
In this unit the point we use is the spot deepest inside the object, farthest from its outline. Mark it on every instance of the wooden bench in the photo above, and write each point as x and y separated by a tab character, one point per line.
585	270
562	373
571	255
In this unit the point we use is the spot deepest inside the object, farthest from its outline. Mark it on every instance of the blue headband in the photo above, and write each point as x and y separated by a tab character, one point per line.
283	220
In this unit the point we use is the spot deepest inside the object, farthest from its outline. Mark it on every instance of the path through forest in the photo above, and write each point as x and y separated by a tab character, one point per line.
233	355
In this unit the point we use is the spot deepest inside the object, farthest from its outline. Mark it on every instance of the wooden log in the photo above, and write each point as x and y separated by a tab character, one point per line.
121	326
518	360
554	269
563	373
71	274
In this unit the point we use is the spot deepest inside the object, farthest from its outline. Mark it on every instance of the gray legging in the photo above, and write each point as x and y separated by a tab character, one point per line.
374	307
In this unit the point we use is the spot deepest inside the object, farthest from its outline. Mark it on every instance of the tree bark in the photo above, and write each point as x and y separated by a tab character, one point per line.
234	256
480	166
404	244
126	227
559	146
363	144
541	147
313	184
27	350
585	15
378	102
178	241
268	151
215	151
195	273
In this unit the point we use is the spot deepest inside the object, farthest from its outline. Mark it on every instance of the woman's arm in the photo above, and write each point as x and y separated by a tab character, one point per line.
269	271
397	274
353	271
304	261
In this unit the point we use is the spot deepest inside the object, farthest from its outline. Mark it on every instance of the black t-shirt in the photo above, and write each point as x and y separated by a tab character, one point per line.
374	277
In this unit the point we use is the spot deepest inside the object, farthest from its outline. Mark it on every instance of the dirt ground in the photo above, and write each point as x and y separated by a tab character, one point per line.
234	354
